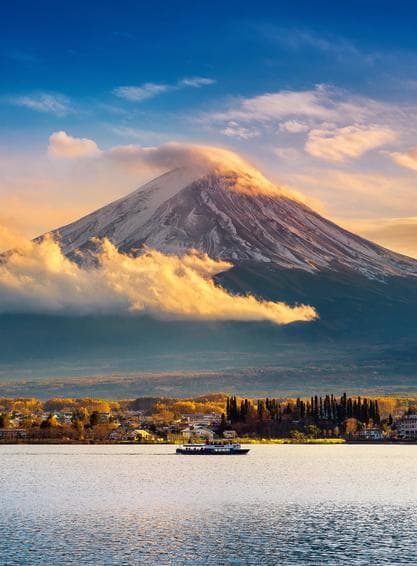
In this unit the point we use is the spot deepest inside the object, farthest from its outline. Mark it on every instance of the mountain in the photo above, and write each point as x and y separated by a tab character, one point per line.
230	215
282	250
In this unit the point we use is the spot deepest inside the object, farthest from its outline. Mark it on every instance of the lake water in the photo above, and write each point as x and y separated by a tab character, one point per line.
145	505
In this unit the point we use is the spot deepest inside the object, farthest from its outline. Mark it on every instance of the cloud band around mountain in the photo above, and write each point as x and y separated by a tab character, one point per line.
36	277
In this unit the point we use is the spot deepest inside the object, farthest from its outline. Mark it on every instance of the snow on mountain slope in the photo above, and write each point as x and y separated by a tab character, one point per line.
120	218
229	216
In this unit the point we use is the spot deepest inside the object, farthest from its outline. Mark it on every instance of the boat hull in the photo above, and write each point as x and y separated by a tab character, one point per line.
207	452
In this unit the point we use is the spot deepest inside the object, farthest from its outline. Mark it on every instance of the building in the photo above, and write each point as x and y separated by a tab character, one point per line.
202	419
197	432
371	433
138	435
406	427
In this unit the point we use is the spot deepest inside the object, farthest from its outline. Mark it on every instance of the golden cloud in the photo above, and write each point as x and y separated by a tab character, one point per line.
37	277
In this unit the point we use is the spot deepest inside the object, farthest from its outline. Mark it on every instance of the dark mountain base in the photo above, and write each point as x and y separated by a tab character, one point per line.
365	340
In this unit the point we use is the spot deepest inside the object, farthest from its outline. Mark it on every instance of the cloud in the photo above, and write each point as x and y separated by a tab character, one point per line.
44	102
269	106
233	130
37	277
140	93
171	155
196	82
407	159
348	142
293	127
298	39
10	238
287	153
150	90
62	145
379	194
313	106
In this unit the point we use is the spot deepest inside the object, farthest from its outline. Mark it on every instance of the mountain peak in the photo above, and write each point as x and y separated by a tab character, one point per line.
231	213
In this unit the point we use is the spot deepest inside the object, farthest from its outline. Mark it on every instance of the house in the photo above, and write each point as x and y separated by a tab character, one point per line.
406	427
202	419
199	432
371	433
138	435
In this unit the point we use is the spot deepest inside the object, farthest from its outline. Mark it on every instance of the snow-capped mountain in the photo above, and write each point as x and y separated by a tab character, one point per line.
230	215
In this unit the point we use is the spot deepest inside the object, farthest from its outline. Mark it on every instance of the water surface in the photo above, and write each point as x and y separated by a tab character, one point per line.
146	505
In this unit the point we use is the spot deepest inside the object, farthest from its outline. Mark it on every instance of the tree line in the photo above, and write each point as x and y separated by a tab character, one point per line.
274	417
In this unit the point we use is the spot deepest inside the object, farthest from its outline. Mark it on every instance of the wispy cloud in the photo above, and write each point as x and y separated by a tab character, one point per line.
311	106
150	90
233	130
196	82
140	93
48	103
406	159
298	39
349	142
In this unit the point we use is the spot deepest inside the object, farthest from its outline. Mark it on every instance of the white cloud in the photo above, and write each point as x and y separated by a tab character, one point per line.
323	103
293	127
407	159
134	158
196	82
287	153
150	90
37	277
65	146
233	130
140	93
270	106
45	102
348	142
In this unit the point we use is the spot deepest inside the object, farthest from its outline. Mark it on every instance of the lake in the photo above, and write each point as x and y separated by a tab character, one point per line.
290	504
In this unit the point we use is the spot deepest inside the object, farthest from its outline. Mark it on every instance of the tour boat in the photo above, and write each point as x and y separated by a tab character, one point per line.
212	449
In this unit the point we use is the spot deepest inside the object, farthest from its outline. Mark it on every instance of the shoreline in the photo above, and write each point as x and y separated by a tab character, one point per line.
277	442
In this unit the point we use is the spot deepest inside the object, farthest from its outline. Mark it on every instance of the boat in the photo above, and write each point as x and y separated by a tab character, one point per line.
212	449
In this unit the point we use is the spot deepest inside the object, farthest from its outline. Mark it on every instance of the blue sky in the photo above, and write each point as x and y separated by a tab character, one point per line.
320	95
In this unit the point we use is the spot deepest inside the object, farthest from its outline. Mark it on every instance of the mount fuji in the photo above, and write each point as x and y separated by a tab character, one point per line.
232	215
281	250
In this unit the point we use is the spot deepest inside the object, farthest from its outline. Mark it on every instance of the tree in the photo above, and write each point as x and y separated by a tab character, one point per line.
351	426
50	422
4	420
94	418
313	431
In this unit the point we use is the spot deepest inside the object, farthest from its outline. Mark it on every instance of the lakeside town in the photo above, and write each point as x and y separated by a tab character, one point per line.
216	416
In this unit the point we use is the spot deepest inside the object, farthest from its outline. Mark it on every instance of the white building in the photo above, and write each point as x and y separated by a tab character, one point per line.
202	419
372	433
406	427
199	432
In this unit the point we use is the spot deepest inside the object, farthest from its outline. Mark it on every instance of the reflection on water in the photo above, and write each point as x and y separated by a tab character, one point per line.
145	505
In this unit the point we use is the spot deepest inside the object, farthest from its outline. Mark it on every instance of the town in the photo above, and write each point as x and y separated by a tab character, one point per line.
318	419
